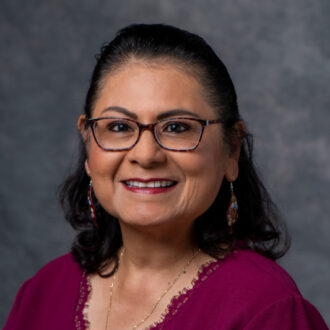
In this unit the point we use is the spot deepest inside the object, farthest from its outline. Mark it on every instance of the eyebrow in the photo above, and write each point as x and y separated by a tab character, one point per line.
176	112
121	110
163	115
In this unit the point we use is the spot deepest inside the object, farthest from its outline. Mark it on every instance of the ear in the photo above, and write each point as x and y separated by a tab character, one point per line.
232	170
239	132
87	168
81	124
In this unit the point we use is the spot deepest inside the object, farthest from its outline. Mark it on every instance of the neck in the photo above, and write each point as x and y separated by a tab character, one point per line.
156	250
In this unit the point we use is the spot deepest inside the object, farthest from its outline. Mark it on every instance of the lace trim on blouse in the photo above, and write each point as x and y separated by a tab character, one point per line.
184	295
80	319
177	301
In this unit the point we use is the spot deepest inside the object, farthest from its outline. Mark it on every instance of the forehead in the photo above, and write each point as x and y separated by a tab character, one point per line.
148	89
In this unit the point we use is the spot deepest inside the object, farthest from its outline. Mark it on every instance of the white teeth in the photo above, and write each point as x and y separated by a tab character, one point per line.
150	184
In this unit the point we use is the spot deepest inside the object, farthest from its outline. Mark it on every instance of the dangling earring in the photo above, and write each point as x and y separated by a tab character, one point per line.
91	205
232	212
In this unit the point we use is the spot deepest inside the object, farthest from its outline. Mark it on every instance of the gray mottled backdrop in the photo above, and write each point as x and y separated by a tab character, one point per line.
278	53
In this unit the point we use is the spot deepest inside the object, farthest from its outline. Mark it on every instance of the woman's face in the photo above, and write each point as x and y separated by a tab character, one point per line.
147	92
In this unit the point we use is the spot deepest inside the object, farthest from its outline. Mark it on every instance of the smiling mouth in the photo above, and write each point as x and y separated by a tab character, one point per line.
150	184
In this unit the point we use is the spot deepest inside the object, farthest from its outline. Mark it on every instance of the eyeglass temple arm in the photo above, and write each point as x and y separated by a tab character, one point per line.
214	121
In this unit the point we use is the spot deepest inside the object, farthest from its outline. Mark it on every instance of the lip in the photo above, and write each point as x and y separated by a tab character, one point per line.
147	180
148	190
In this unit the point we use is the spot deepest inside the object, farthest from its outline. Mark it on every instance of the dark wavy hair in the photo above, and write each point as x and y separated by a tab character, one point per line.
259	226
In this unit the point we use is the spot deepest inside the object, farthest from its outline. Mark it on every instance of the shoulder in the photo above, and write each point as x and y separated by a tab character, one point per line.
288	313
247	282
245	291
249	291
252	273
59	267
50	295
56	276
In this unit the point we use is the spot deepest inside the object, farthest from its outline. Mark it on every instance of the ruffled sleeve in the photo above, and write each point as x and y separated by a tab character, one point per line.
287	314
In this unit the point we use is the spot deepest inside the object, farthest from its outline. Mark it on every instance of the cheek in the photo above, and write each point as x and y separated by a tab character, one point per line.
97	161
103	167
204	172
209	163
102	163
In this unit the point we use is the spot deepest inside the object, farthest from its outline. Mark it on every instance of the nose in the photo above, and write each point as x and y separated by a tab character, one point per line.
147	152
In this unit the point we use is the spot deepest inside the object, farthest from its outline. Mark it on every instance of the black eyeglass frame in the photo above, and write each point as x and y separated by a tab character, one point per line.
151	127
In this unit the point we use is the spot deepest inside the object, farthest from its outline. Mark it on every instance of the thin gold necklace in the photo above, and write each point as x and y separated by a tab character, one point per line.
183	271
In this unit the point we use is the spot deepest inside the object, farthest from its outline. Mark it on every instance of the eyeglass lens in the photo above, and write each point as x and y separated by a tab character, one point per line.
119	133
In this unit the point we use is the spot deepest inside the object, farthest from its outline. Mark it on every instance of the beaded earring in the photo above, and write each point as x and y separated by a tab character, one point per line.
232	211
91	205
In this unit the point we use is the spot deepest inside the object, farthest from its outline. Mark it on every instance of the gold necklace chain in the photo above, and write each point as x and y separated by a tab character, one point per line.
183	271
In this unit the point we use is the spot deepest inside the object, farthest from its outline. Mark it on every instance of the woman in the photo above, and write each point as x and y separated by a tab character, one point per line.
176	230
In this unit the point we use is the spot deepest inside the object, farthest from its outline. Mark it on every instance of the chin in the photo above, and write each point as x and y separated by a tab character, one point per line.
147	217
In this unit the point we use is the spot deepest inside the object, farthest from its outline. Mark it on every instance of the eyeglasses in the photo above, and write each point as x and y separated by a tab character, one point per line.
176	134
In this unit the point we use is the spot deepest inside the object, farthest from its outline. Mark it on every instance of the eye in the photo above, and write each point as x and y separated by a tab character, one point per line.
176	127
120	126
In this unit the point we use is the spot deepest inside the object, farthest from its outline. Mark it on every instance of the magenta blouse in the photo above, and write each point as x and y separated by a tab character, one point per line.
243	291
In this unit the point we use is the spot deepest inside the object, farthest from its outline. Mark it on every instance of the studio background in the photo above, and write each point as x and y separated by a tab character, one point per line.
278	54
